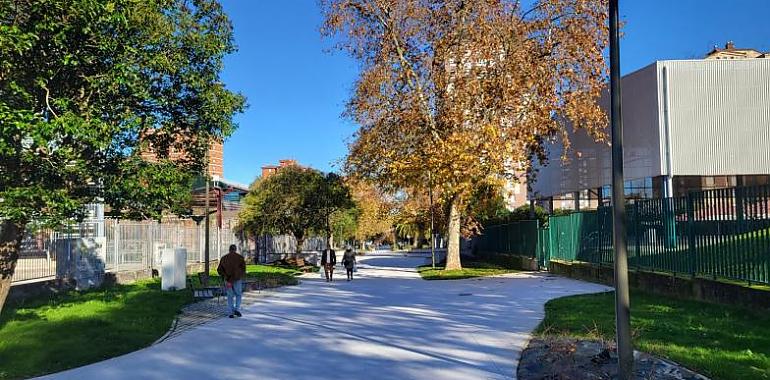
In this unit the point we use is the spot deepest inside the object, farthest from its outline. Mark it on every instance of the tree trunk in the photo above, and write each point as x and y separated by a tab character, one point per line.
453	248
10	243
300	242
418	239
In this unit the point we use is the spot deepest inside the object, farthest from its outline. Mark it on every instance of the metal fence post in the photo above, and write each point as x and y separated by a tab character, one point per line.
116	228
178	234
219	243
691	234
739	209
200	242
637	243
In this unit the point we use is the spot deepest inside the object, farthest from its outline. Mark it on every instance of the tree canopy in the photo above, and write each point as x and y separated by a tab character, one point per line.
375	211
295	201
85	87
460	94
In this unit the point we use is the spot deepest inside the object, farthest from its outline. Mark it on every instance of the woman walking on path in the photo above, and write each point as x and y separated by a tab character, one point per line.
349	261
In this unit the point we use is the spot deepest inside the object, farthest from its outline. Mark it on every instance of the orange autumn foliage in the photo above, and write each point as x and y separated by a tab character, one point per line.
466	90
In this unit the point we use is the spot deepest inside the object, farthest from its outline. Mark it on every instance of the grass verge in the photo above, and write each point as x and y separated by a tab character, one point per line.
279	275
70	330
51	334
470	269
718	341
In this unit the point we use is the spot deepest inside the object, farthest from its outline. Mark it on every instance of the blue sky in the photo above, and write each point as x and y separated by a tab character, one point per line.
297	88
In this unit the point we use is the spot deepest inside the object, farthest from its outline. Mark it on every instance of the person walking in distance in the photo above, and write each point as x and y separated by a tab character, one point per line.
232	267
328	261
349	261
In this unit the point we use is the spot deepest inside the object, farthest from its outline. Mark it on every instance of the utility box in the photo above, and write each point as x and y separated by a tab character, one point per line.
173	269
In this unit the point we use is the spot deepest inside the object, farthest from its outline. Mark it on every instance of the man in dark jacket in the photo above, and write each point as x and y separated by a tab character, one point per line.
328	261
232	268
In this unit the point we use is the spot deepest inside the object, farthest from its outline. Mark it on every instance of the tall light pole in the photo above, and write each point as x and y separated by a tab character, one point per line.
206	229
432	235
622	298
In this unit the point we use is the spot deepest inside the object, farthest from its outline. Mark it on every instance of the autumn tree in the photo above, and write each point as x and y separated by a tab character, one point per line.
375	211
485	204
85	86
413	214
460	93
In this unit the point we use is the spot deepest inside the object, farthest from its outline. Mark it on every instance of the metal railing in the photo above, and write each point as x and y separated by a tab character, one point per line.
514	238
268	248
722	233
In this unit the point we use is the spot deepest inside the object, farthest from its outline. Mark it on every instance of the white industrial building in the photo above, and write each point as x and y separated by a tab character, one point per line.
688	125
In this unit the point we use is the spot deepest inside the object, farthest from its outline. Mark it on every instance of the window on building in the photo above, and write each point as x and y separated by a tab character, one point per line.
756	180
638	188
641	188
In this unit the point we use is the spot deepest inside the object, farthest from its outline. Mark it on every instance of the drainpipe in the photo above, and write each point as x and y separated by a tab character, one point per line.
576	198
668	185
669	219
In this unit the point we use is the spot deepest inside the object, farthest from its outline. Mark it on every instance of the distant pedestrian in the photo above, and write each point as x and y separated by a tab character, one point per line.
232	267
349	261
328	261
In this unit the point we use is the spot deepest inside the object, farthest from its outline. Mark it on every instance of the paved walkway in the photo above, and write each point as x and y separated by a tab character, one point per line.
206	311
387	324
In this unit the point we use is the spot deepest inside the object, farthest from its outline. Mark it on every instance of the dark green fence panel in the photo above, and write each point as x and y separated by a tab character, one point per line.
721	233
519	238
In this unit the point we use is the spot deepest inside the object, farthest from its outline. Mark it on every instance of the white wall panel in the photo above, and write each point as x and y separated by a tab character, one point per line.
589	164
720	116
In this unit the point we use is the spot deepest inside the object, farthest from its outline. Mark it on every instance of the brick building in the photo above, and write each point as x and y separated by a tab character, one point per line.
732	52
268	170
216	157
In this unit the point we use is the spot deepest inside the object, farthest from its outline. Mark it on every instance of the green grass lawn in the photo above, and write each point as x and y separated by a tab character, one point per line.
51	334
69	330
470	269
718	341
281	275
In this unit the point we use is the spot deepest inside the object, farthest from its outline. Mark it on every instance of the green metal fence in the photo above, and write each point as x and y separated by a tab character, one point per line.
543	247
518	238
718	233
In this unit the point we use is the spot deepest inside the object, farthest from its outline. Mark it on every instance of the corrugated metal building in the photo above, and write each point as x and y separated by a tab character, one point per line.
688	125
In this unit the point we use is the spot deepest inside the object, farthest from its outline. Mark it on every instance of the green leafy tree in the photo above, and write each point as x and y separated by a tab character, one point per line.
524	213
86	86
296	201
345	223
332	196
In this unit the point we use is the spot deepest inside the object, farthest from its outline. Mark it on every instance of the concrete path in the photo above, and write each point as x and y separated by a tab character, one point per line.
386	324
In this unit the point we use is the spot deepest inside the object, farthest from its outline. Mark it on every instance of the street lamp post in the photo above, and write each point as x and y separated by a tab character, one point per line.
206	228
622	298
432	234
